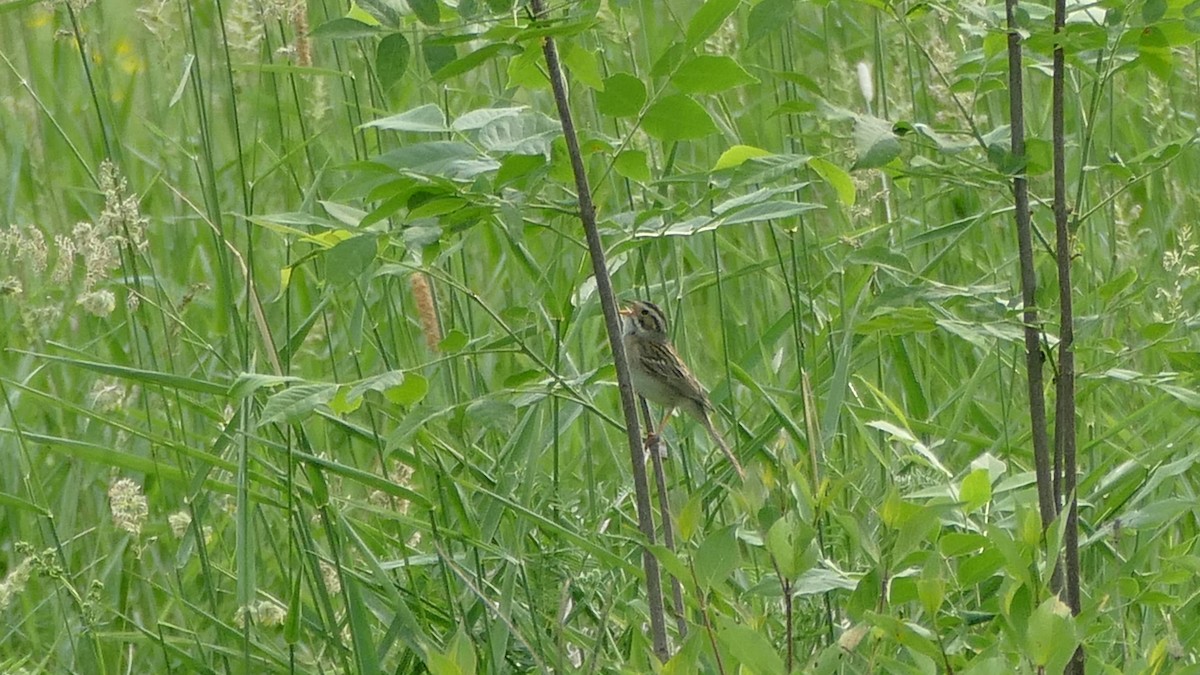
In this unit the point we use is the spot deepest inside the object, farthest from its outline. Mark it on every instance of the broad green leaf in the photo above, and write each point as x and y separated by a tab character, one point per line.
976	490
789	541
1154	52
716	558
874	142
836	177
427	11
750	647
475	59
349	259
767	17
526	71
1050	637
688	520
671	562
409	392
448	159
529	133
931	591
454	341
708	19
426	118
1118	284
623	96
347	215
517	167
345	28
391	59
669	60
678	118
360	15
294	404
477	119
437	54
381	10
632	164
493	414
737	155
708	74
583	65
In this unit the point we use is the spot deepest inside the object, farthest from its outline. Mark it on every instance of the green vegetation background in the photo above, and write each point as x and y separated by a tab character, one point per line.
304	371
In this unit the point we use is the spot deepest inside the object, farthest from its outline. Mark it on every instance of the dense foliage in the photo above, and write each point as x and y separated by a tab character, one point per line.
305	370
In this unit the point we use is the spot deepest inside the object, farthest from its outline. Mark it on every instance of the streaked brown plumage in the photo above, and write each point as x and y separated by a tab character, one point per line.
661	376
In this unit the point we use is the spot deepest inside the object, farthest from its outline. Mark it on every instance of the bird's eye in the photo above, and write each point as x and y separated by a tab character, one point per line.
645	312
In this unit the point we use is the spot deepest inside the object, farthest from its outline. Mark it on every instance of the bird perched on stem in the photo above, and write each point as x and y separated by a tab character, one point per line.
661	376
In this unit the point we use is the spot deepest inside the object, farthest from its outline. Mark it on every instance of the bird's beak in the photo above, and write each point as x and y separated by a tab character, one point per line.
625	311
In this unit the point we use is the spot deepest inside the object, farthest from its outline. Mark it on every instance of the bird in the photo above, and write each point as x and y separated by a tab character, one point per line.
662	377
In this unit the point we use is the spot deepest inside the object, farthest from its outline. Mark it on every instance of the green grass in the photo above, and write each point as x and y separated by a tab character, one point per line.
374	503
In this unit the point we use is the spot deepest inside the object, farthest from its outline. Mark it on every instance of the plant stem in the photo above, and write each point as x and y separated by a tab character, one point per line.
612	321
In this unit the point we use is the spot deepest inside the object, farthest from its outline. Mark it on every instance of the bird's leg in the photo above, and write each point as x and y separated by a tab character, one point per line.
655	436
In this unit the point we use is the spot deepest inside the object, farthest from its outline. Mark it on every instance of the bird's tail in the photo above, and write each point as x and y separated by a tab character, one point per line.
716	436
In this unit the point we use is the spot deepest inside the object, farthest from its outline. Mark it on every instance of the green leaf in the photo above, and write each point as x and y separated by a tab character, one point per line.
837	177
361	15
427	11
294	404
678	118
475	59
898	321
976	490
349	259
874	142
529	133
344	28
409	392
454	341
447	159
708	19
1154	52
767	17
1113	287
688	520
931	591
391	59
737	155
493	414
437	54
1050	637
1153	11
427	118
477	119
380	10
716	558
623	96
669	60
789	541
708	74
633	164
750	647
772	210
516	167
583	65
150	377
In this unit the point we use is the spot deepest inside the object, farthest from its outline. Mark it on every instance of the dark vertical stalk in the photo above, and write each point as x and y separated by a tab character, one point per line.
1033	353
664	512
587	216
1064	419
